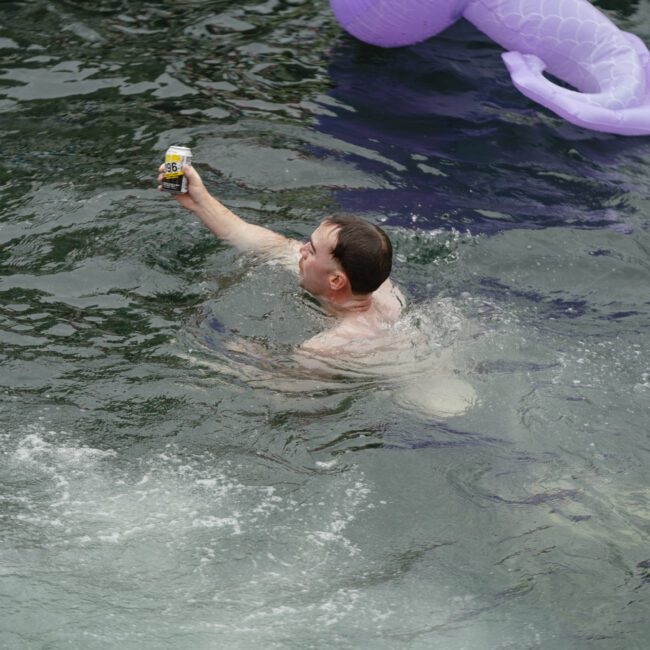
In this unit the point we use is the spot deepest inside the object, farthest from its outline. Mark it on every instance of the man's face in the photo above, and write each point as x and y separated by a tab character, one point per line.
316	263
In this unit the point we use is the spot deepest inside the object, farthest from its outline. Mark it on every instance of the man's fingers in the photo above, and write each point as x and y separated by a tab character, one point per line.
193	177
161	169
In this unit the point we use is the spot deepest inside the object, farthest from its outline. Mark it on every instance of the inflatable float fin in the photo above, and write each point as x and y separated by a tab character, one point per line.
582	109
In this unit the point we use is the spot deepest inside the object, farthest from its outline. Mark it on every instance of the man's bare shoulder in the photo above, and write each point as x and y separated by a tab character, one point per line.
284	251
329	342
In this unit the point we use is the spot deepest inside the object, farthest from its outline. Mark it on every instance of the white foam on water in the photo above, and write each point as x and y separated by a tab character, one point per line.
219	522
114	537
77	497
45	465
228	556
33	448
95	497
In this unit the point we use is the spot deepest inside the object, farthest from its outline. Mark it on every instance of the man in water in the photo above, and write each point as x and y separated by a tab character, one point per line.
345	265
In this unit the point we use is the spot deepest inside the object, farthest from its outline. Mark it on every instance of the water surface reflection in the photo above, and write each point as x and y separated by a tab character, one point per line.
172	476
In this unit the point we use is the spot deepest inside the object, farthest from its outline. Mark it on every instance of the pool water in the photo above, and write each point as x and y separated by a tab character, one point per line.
172	476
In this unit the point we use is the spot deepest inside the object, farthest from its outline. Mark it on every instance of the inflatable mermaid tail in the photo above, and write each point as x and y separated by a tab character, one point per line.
570	39
575	42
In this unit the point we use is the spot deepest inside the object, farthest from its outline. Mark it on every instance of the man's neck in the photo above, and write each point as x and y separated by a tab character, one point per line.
341	306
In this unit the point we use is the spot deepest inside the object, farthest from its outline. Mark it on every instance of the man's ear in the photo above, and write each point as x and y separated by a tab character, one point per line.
338	280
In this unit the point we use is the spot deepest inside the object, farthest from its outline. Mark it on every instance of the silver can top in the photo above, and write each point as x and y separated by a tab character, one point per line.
185	151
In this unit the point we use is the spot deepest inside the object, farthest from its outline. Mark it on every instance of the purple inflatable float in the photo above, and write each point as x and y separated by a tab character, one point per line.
570	39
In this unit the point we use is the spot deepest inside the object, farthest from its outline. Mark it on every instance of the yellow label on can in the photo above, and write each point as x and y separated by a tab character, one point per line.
173	177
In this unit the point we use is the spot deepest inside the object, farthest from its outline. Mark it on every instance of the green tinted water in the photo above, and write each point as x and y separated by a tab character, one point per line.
171	478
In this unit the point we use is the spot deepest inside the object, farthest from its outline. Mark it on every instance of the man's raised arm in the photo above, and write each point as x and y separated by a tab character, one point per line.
226	224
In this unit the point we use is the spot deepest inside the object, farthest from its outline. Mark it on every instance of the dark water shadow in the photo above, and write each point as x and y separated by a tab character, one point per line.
466	150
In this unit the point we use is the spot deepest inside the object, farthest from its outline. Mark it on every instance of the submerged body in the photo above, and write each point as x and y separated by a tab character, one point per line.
345	265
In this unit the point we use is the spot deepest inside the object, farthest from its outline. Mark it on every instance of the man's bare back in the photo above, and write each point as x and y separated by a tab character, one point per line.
361	327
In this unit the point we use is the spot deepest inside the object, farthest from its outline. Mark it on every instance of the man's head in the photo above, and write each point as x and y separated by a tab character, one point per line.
345	251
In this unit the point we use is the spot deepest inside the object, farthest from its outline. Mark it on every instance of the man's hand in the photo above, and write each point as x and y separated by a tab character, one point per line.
196	196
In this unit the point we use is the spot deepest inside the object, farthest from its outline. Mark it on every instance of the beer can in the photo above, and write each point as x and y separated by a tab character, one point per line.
173	177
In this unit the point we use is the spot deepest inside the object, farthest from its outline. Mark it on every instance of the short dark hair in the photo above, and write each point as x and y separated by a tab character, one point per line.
363	250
